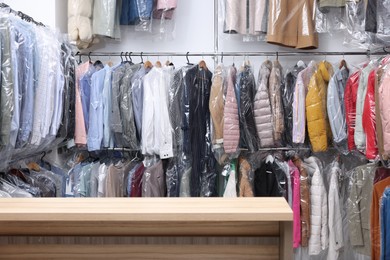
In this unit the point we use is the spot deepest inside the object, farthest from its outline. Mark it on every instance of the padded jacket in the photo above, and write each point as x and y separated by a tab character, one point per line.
350	96
316	112
369	119
248	135
304	201
319	239
275	83
262	107
231	123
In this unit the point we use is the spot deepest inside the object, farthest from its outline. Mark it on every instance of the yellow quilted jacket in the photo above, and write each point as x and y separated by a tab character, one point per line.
316	112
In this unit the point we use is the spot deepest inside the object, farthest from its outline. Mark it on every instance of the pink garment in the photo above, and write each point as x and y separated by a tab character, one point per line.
294	173
164	9
384	105
80	134
231	129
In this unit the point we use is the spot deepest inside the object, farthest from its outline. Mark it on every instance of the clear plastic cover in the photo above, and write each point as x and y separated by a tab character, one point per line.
262	107
330	16
356	36
270	179
126	107
231	129
246	178
336	106
287	92
163	15
377	17
316	108
106	14
153	181
350	96
247	88
275	84
359	208
360	136
157	133
292	24
145	9
80	22
369	118
246	18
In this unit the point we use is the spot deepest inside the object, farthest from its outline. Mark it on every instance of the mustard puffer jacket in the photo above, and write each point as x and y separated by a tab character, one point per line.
316	114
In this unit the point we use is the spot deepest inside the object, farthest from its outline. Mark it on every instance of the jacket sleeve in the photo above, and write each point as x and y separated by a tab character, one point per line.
299	116
324	218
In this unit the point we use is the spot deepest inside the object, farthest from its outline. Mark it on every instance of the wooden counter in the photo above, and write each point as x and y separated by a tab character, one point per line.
147	228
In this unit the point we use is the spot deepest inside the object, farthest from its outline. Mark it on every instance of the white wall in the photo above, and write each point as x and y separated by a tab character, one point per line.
52	13
194	32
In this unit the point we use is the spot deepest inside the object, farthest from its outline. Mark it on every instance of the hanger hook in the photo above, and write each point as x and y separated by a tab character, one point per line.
89	56
277	55
79	54
121	56
142	58
131	60
43	155
126	56
188	61
222	58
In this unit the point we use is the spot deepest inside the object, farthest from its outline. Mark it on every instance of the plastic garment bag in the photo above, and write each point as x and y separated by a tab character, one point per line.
262	107
80	22
106	18
330	16
287	92
291	23
355	21
247	85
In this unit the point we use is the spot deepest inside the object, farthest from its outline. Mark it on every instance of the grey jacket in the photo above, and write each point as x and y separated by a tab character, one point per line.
126	107
116	122
7	85
262	107
358	208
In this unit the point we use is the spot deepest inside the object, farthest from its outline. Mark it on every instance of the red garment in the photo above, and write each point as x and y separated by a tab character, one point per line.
369	120
350	96
136	182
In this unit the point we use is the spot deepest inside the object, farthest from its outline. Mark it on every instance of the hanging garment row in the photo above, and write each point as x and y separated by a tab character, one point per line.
339	203
37	87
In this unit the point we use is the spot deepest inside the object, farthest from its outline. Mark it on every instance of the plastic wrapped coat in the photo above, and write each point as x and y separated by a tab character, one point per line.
319	239
275	83
350	96
359	137
287	91
291	23
317	123
335	105
216	104
369	119
262	107
248	135
384	104
231	128
304	201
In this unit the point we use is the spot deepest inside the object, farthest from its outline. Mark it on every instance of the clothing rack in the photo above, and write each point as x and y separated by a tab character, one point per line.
233	54
22	15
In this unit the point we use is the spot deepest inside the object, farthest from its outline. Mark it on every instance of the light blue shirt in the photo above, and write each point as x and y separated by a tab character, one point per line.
95	132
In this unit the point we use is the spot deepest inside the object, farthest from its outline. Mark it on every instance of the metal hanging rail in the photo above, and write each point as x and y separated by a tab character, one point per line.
233	54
